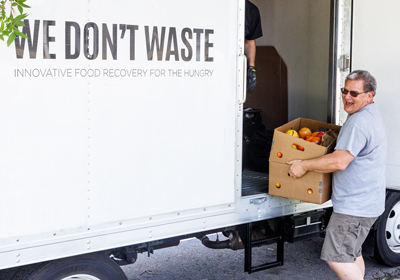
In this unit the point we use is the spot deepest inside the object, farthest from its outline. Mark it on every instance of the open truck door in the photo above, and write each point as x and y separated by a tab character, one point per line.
375	47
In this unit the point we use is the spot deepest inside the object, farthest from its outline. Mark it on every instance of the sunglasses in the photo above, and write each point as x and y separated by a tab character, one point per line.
352	93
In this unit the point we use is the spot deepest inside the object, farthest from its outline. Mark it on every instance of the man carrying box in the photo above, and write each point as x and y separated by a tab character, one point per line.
359	177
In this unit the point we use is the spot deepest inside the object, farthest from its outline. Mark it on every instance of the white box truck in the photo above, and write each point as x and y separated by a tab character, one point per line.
121	127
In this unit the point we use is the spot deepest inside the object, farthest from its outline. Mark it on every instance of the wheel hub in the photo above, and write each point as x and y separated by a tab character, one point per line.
393	228
81	277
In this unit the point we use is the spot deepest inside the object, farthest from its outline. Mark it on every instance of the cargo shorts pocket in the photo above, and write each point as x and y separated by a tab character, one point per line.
351	234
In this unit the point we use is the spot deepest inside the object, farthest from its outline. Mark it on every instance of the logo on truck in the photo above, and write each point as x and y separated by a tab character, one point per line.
111	42
161	42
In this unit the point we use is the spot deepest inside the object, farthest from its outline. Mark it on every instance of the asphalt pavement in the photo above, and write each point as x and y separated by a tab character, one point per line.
192	261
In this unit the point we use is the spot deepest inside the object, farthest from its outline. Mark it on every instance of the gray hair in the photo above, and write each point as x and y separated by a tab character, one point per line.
369	80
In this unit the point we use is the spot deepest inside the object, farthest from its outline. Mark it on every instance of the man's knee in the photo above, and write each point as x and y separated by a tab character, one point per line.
336	265
331	264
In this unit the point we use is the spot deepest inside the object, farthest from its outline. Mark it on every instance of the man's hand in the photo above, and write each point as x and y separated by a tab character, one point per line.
296	169
336	161
251	79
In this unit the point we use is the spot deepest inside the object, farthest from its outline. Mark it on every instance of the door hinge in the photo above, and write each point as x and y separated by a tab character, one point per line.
344	63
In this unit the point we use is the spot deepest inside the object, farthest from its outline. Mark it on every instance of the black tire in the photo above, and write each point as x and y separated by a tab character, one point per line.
8	274
20	273
387	235
85	267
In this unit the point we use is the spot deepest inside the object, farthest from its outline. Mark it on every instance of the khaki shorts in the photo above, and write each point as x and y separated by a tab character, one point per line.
344	237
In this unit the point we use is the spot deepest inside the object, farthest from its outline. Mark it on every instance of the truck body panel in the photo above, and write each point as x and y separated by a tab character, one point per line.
375	48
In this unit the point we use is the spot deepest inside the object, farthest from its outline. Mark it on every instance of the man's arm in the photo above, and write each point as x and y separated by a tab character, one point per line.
250	52
336	161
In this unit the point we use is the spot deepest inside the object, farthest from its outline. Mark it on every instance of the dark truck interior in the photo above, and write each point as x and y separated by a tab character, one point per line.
265	109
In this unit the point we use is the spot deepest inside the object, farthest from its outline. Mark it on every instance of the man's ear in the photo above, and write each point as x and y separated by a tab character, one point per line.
370	96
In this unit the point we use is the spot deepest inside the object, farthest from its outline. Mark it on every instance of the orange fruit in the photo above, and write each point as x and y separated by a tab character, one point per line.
316	140
310	191
301	148
314	134
309	138
304	132
278	185
279	155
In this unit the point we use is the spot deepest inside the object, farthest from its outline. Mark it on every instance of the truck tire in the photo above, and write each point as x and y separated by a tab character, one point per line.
20	273
8	274
387	235
85	267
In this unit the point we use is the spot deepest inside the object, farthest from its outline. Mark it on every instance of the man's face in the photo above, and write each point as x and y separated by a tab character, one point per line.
354	104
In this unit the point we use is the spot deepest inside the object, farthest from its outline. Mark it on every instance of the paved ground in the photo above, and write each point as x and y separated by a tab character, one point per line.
192	261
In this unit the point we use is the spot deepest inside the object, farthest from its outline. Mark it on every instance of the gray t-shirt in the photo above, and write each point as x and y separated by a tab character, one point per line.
359	190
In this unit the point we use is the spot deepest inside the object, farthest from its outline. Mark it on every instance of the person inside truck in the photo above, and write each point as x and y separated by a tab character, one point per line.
358	164
253	31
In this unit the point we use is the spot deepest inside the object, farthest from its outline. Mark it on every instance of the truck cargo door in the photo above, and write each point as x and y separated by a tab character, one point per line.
119	113
376	40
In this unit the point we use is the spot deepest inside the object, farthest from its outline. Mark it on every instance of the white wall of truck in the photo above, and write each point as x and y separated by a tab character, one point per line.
375	47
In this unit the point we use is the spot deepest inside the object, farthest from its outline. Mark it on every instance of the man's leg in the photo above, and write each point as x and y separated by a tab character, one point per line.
342	246
361	265
346	271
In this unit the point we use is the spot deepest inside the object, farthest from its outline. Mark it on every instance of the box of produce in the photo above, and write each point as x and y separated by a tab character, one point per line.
301	139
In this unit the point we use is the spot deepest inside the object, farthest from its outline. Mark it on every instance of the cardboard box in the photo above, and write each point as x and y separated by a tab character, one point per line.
312	187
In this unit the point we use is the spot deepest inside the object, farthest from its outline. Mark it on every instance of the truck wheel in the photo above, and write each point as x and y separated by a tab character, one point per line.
85	267
387	237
